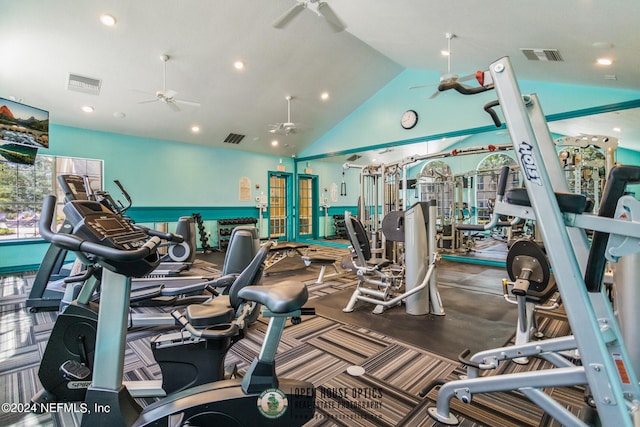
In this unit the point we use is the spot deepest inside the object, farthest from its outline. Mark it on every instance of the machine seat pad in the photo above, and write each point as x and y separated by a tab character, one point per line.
317	260
568	202
284	297
213	312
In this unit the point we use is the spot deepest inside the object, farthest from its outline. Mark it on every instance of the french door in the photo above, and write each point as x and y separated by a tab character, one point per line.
279	209
307	206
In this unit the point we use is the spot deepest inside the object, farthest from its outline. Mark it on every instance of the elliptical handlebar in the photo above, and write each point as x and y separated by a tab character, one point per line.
77	244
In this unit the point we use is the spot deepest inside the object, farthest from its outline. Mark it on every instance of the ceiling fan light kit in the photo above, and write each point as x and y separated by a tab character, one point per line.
448	76
168	96
288	127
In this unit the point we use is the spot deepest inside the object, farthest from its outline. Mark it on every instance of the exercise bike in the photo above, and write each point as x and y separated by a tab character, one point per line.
259	398
185	359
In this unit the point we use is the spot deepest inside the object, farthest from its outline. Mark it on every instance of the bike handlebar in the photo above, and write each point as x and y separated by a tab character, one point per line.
169	237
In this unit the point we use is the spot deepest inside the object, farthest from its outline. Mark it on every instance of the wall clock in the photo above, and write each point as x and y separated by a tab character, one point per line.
409	119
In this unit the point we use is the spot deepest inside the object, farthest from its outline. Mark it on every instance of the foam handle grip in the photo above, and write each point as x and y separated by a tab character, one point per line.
502	181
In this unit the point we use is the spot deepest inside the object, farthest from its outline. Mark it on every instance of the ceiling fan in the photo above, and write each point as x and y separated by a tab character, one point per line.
288	127
322	8
449	76
168	96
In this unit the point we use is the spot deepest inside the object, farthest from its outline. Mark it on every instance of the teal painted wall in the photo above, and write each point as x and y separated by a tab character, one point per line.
23	256
164	178
629	157
377	121
330	177
166	173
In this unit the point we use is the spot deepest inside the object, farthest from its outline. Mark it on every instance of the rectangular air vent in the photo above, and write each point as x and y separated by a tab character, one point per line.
84	84
234	138
542	55
353	158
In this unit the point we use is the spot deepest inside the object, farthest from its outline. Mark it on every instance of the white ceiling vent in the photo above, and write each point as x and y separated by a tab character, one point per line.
542	54
84	84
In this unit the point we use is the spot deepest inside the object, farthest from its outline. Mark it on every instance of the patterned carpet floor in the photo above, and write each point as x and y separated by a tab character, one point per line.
319	350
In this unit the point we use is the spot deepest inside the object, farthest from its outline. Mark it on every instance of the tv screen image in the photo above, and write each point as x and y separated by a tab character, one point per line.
23	129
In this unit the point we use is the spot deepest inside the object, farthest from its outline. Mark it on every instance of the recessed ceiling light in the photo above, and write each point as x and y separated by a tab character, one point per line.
108	20
238	65
87	108
445	53
119	115
324	96
195	129
605	61
616	129
274	143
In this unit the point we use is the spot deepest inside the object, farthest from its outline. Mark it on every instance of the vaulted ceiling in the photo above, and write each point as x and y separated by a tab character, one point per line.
43	43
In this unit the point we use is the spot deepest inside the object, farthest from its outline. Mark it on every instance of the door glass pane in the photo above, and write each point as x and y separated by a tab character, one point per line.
277	206
305	204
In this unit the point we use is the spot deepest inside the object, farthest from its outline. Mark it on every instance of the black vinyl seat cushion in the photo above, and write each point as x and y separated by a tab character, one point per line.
213	312
568	202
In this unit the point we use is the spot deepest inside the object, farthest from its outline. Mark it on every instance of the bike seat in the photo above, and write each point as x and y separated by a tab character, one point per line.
568	202
216	311
284	297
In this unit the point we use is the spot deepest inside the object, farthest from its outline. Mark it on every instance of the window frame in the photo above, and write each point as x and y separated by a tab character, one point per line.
23	192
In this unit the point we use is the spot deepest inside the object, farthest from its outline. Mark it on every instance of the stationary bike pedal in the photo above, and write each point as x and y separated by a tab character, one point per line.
75	370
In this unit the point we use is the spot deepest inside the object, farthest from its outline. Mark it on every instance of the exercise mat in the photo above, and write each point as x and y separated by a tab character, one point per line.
473	320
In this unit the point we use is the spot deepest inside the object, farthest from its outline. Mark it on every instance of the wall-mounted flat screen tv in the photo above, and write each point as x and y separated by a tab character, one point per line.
23	129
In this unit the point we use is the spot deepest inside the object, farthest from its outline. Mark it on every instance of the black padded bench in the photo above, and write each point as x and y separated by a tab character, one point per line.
323	262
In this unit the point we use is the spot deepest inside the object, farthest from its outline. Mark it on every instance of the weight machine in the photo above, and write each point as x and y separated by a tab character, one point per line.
379	195
607	370
585	164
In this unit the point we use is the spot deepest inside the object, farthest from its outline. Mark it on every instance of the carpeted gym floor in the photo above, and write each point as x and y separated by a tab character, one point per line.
400	353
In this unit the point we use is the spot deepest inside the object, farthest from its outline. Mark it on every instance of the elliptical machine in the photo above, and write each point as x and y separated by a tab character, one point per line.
259	398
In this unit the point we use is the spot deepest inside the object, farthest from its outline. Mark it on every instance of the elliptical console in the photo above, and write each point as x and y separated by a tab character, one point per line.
103	236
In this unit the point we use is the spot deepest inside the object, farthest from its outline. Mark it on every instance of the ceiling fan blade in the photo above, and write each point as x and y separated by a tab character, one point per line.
185	102
173	106
421	86
436	93
288	16
467	77
148	101
325	10
169	94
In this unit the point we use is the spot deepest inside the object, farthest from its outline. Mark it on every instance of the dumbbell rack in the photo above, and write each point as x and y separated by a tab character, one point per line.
226	226
341	230
204	236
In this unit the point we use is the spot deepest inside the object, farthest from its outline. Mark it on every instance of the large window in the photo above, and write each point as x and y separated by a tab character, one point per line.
22	188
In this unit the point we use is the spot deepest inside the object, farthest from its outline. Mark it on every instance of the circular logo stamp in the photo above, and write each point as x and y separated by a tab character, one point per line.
272	403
